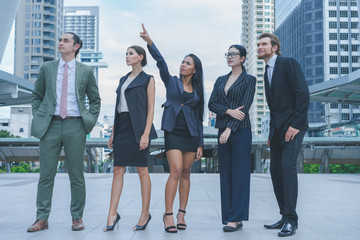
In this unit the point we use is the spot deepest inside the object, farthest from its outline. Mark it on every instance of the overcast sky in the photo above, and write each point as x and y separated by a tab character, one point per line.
203	27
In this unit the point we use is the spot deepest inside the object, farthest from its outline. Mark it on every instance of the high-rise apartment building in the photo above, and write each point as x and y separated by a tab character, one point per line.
84	21
257	18
38	27
323	36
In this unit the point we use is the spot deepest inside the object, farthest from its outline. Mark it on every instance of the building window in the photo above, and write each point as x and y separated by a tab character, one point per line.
318	37
333	105
333	59
345	116
344	47
355	36
308	72
344	70
308	49
308	38
344	59
355	47
353	3
319	59
354	25
344	36
333	47
343	2
332	24
319	71
343	14
332	2
333	36
21	130
354	14
355	59
318	48
318	26
345	106
308	60
344	25
333	70
332	13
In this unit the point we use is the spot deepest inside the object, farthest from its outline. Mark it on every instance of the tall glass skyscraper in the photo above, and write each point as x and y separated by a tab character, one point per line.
38	26
257	18
323	35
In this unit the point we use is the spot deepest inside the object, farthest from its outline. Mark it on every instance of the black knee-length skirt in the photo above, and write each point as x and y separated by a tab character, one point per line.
126	149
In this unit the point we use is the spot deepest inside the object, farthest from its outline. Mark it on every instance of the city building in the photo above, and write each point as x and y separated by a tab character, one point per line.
20	121
323	36
38	26
257	18
84	21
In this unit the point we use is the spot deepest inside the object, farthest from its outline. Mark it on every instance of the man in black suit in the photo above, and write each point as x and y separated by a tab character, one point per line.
287	95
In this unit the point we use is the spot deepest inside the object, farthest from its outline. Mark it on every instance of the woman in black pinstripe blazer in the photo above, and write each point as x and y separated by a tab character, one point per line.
231	99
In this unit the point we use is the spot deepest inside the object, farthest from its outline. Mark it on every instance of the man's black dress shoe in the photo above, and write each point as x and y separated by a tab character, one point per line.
277	225
287	230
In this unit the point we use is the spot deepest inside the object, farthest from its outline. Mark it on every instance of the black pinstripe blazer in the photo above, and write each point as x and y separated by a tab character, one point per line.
240	93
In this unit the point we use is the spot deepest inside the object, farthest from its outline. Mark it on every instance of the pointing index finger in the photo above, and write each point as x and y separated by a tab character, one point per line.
143	28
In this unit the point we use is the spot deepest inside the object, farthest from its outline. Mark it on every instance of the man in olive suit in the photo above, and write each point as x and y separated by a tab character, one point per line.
60	119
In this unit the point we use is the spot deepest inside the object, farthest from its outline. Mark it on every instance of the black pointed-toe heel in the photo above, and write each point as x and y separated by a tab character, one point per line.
168	229
111	228
181	226
143	227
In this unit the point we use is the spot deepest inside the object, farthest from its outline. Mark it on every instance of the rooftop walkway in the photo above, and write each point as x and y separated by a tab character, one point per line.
328	208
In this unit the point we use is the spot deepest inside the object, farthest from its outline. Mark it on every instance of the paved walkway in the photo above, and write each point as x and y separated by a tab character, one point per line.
328	207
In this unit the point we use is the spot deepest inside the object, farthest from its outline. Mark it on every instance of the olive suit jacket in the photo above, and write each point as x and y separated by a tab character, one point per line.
44	97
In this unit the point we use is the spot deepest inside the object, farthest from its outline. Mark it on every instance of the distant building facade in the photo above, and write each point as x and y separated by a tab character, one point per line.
257	18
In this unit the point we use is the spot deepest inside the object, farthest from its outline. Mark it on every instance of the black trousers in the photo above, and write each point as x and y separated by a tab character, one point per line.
283	168
234	168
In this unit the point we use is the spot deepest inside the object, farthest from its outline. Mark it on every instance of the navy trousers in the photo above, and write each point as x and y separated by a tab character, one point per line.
234	167
283	169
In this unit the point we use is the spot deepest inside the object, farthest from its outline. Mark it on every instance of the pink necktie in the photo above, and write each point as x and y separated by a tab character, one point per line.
63	101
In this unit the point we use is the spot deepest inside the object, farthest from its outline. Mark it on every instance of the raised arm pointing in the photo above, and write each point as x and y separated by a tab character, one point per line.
144	35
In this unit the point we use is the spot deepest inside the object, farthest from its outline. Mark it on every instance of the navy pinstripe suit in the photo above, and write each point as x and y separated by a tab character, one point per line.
235	155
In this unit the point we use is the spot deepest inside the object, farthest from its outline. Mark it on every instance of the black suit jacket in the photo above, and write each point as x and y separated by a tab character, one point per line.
136	99
288	96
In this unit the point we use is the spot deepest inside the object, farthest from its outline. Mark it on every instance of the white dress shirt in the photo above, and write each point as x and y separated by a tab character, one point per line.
271	65
72	103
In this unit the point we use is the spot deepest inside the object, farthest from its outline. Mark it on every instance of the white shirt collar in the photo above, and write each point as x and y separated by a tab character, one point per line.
272	61
70	64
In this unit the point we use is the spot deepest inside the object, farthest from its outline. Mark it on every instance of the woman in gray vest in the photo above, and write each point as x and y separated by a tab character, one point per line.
133	129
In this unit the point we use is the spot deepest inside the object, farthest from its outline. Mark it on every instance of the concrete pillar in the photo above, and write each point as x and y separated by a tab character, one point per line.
258	167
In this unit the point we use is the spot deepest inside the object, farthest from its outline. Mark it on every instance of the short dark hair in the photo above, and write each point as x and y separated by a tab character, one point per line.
141	51
274	41
77	40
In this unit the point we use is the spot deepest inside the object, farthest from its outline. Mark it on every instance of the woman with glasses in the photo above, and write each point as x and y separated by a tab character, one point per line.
231	99
182	123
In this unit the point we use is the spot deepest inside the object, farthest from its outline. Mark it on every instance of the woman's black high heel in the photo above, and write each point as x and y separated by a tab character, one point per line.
167	229
111	228
138	227
181	226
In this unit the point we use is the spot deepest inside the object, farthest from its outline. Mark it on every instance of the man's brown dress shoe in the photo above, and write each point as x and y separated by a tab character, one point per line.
77	224
38	225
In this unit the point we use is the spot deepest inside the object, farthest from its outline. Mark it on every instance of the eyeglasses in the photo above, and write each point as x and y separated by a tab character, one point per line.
231	54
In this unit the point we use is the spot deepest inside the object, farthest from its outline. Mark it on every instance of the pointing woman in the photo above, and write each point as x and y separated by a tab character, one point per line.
182	123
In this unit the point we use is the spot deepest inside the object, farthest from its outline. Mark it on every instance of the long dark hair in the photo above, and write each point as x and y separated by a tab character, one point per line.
197	81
